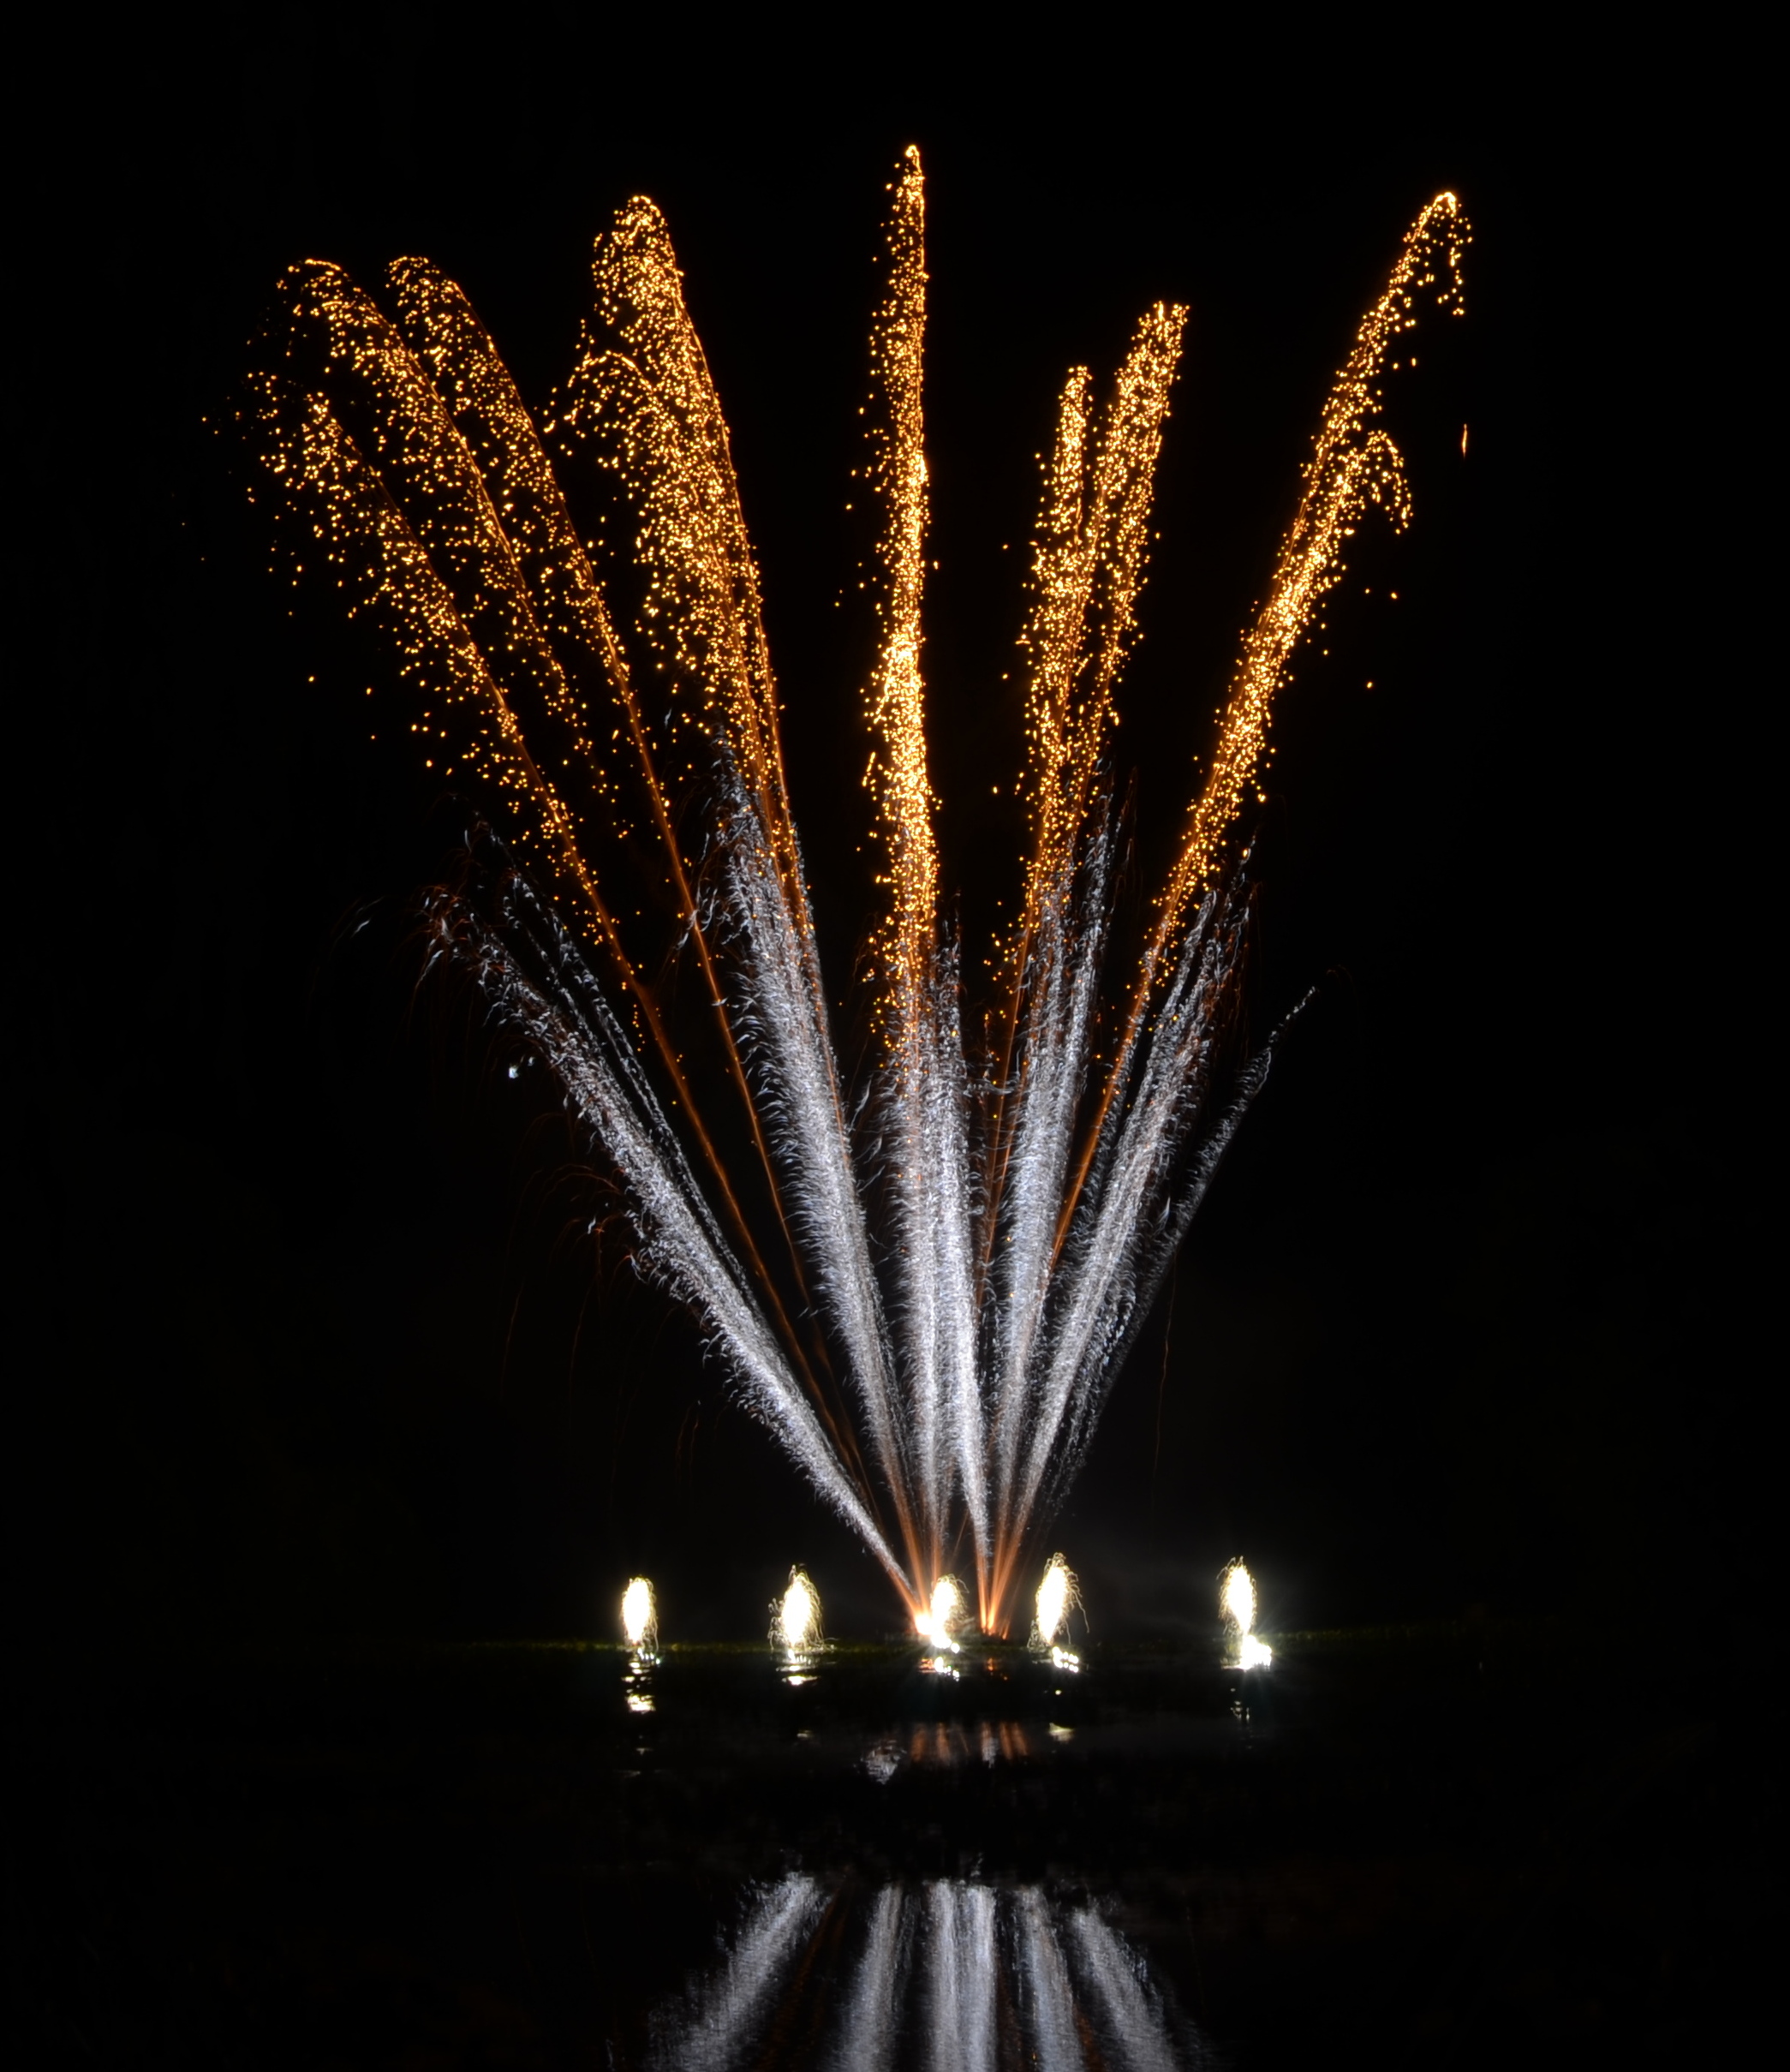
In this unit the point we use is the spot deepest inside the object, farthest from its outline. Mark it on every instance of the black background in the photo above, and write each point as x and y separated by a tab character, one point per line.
308	1345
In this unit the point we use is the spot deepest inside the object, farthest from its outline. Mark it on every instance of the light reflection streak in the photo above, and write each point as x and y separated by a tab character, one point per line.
939	1974
722	2013
1046	1998
956	1954
1121	2001
867	2032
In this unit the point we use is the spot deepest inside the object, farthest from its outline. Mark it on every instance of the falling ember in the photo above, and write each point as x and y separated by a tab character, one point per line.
1058	1596
1237	1606
796	1616
640	1617
924	1286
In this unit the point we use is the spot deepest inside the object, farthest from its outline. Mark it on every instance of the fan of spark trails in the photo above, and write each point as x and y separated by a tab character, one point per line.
965	1246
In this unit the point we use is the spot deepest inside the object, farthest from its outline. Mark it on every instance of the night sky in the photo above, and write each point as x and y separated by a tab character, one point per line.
314	1345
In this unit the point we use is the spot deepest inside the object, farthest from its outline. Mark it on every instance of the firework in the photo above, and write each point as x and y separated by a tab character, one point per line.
924	1286
640	1617
796	1616
946	1617
1058	1596
1237	1608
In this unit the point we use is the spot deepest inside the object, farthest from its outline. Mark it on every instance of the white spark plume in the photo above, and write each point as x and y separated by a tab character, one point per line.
640	1615
1058	1596
796	1616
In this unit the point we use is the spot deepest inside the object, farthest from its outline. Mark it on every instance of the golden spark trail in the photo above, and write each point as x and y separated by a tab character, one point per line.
1087	568
1354	465
895	704
922	1103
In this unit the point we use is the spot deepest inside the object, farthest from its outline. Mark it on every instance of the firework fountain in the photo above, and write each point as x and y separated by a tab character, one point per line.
966	1245
1237	1609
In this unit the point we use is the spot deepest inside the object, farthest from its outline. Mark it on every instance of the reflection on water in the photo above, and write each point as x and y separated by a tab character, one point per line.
637	1680
946	1974
945	1743
948	1745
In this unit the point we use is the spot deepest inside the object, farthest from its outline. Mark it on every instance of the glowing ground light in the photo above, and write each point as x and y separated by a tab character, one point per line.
950	1263
796	1616
640	1617
1236	1607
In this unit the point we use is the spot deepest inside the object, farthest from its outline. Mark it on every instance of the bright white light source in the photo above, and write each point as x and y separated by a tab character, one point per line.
640	1615
1237	1598
946	1616
1237	1604
1058	1596
796	1616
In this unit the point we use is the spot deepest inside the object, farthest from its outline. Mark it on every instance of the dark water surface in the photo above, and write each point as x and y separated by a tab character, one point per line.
1458	1846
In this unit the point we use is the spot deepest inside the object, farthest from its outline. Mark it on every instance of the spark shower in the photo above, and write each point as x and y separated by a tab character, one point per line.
965	1244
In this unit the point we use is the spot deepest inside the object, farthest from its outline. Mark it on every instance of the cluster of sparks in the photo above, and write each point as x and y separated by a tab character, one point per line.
967	1250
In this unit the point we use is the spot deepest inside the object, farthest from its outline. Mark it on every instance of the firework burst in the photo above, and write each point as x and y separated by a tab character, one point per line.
926	1286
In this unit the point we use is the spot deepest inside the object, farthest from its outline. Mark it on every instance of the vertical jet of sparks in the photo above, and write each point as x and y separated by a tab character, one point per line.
923	1107
895	702
1088	568
1089	562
